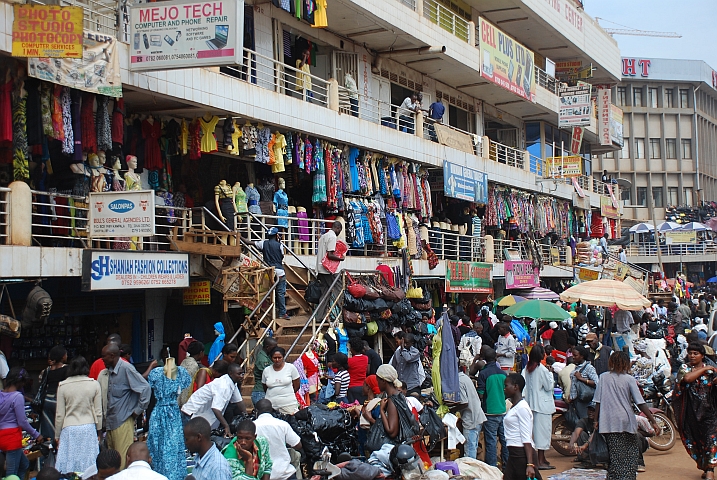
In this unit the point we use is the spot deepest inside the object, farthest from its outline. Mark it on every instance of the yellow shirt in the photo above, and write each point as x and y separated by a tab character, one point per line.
279	152
209	141
235	139
303	81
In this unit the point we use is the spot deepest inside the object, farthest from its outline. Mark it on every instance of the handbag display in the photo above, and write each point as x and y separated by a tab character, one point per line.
9	325
353	318
415	292
355	288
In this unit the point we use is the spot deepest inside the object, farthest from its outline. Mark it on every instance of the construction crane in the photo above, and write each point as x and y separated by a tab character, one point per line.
635	32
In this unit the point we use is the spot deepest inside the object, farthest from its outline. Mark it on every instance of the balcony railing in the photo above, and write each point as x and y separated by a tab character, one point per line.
446	19
546	81
507	155
4	215
707	247
429	133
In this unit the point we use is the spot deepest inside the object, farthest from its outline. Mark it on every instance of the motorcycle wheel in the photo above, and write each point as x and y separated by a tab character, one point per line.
666	440
560	438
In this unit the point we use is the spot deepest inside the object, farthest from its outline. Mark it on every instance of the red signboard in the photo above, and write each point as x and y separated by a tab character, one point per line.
521	274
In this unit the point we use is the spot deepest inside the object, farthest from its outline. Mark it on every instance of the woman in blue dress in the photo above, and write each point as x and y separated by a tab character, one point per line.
166	438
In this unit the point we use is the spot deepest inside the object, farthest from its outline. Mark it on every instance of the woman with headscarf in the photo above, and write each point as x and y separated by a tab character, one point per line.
166	438
218	344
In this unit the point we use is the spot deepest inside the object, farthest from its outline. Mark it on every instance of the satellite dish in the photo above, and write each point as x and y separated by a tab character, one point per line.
623	182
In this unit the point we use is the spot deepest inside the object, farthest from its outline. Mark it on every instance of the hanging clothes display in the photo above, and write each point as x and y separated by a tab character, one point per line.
209	140
20	149
151	131
87	114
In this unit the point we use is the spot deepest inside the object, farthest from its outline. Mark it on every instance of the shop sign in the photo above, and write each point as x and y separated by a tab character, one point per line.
521	274
616	116
121	214
98	71
469	277
575	106
506	62
576	140
588	274
581	202
603	102
47	31
198	293
568	69
186	34
569	166
453	138
621	271
680	237
465	183
123	269
607	209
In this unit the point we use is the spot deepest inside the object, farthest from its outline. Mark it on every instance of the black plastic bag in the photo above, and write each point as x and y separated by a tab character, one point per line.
377	437
402	308
354	304
313	292
329	424
571	417
433	426
598	450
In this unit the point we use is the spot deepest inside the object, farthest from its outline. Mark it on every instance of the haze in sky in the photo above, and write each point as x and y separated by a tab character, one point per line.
695	20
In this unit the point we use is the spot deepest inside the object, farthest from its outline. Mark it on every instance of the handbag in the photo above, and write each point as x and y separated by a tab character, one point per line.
39	400
9	325
371	292
415	292
353	318
571	417
313	292
392	294
585	392
355	288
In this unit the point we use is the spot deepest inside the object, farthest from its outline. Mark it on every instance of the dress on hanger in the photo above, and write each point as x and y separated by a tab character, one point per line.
118	121
75	107
320	18
6	112
311	370
252	198
152	153
184	137
279	152
236	135
20	149
209	140
195	141
281	202
103	124
87	114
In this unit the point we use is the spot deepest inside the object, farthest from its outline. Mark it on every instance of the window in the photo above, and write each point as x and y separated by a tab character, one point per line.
688	196
636	97
610	155
642	196
657	200
671	148
669	98
639	148
672	199
652	97
686	148
684	98
622	96
626	195
625	153
655	148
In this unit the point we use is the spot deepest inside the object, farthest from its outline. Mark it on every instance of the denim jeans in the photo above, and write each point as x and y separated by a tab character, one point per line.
256	396
16	463
472	437
493	432
281	296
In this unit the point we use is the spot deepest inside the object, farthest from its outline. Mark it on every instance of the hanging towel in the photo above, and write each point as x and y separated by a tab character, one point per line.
454	435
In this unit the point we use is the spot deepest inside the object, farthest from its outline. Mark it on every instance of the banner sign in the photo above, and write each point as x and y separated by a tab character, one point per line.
621	271
186	34
198	293
121	214
521	274
570	166
607	209
603	102
576	140
453	138
47	31
616	125
469	277
465	183
575	107
97	71
123	269
673	237
588	274
568	69
506	62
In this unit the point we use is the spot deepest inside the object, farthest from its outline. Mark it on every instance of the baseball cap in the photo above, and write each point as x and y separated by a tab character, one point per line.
273	231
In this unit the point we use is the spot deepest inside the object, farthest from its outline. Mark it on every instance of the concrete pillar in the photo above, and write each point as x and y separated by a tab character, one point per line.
568	255
471	33
419	124
486	148
526	160
20	216
333	100
489	249
419	7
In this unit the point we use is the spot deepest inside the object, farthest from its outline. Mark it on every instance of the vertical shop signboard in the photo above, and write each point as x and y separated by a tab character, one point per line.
469	277
576	140
126	269
506	62
616	118
121	214
603	102
465	183
186	34
521	274
575	108
47	31
198	293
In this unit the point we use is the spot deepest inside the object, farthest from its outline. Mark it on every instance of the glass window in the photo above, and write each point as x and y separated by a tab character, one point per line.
636	97
671	148
657	197
686	148
642	196
625	153
532	139
652	97
621	96
610	155
672	199
688	196
669	98
639	148
626	195
655	148
684	98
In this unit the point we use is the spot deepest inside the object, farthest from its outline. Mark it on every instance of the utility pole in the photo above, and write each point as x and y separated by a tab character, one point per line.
654	224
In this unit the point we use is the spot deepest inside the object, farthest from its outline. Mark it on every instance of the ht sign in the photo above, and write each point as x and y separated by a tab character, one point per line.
630	66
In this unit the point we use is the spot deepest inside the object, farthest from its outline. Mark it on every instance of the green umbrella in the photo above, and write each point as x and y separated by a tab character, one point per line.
537	309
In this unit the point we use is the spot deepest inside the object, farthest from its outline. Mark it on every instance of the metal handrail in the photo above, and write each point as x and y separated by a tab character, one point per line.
446	19
288	248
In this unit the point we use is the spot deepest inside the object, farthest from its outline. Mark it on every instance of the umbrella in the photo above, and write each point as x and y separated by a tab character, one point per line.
712	280
642	228
606	293
509	300
537	309
539	293
667	226
695	226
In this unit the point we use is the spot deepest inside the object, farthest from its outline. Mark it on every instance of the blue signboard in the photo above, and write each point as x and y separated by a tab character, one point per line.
465	183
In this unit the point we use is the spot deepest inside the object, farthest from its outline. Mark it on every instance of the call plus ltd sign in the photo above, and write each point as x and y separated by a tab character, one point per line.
630	67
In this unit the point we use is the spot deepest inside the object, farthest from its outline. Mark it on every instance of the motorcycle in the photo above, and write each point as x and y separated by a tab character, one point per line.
659	397
560	438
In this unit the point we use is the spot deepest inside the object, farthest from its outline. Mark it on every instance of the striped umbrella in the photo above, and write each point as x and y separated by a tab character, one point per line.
539	293
695	226
642	228
667	226
606	293
509	300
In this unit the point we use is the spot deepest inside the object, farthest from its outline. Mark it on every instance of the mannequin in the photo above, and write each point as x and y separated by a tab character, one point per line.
304	237
224	204
98	182
132	180
118	185
266	192
342	236
239	198
252	197
331	345
281	205
170	368
342	339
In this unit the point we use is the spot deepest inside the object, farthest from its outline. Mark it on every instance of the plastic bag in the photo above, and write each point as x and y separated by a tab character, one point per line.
329	424
433	426
313	292
598	450
571	417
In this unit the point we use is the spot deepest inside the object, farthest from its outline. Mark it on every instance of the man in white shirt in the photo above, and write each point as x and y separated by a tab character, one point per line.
138	465
211	401
280	436
406	112
326	248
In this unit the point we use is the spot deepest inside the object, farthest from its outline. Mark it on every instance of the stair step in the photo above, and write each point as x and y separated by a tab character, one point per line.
296	321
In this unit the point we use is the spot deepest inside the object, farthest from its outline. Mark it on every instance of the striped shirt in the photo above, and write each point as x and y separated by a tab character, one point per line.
344	378
212	466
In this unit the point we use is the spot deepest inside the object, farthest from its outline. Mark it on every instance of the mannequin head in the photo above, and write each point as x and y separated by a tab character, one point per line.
93	160
102	157
116	164
131	162
282	184
223	183
237	185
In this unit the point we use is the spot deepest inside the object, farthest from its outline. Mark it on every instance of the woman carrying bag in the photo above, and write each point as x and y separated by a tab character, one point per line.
47	395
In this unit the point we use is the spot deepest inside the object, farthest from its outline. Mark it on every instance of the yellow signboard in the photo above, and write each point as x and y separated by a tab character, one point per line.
568	166
680	237
621	271
47	31
607	209
198	293
587	274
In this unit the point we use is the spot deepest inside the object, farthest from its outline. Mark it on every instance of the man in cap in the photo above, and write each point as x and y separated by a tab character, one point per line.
599	353
273	253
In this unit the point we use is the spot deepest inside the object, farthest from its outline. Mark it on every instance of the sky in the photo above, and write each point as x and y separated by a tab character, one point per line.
695	20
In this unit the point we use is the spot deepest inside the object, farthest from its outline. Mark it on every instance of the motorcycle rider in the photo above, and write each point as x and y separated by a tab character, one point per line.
599	353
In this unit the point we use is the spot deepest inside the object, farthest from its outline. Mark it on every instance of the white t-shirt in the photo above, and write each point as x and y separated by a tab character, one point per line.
413	402
217	394
279	385
327	243
279	434
518	425
407	108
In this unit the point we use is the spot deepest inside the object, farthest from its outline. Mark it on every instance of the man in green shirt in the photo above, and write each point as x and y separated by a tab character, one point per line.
263	360
491	380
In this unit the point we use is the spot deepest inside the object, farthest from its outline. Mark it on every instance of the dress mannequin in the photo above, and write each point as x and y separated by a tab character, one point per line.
281	205
252	198
331	345
224	203
239	198
98	181
304	237
342	339
118	185
266	192
132	180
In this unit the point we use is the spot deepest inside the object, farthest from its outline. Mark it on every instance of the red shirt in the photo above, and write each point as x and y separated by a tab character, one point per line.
97	368
357	370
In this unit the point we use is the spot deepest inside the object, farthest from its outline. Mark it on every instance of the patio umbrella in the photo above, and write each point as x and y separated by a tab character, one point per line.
509	300
606	293
695	226
537	309
667	226
642	228
539	293
712	280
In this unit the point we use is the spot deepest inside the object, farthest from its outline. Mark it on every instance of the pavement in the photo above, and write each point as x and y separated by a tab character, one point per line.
673	464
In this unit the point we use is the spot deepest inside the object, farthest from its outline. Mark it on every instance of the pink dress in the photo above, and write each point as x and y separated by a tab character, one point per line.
303	226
